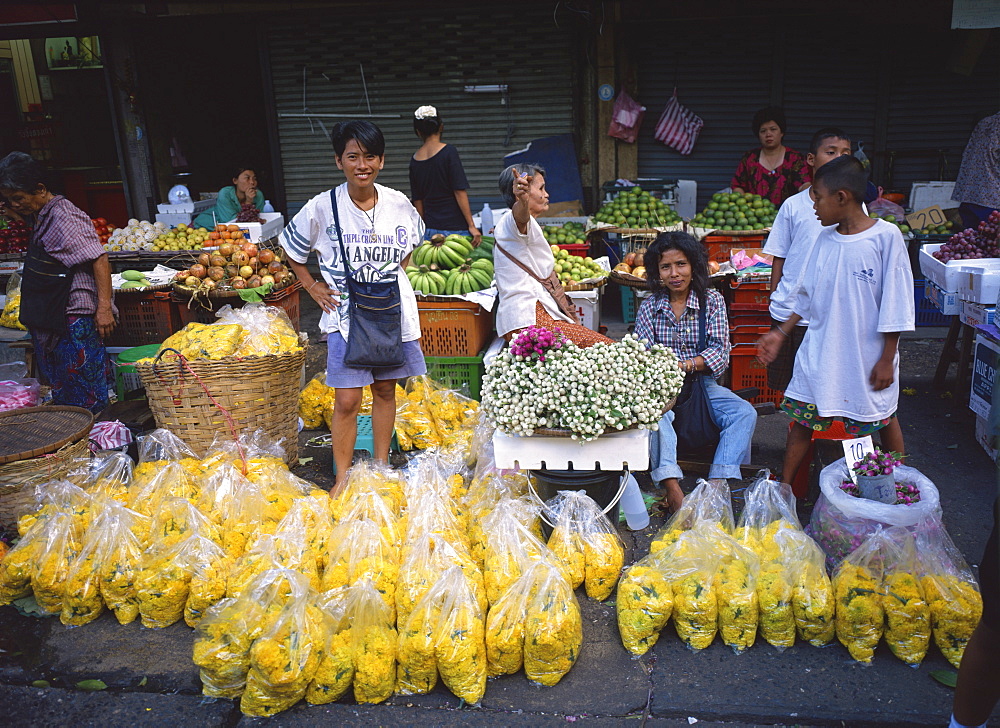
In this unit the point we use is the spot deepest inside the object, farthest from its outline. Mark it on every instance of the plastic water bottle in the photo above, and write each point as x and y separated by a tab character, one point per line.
267	206
634	506
486	220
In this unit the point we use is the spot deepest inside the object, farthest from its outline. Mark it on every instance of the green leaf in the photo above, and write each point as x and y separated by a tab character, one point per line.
142	683
28	607
945	677
40	684
305	461
91	685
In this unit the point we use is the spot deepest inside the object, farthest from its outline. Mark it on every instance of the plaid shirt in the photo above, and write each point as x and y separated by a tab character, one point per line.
66	233
655	323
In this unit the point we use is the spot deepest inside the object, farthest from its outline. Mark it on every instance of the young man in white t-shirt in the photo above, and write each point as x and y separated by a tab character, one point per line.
380	230
856	290
790	242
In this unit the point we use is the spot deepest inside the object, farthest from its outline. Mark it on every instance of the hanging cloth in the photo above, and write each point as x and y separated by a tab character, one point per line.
678	126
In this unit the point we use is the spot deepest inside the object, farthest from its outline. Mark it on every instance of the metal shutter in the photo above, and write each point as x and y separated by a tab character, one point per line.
425	57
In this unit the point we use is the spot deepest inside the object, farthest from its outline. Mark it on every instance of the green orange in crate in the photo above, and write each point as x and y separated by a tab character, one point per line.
732	211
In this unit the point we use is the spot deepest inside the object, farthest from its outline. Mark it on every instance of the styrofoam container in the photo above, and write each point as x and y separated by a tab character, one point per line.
588	307
947	302
188	207
980	285
174	219
948	276
625	450
925	194
255	231
976	314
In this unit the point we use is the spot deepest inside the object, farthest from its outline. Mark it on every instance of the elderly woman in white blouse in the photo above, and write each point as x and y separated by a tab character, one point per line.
519	240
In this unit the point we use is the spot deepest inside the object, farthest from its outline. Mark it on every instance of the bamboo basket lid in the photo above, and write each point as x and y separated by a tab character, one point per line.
34	431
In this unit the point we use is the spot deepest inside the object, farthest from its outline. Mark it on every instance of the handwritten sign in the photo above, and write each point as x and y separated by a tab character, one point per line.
932	215
854	450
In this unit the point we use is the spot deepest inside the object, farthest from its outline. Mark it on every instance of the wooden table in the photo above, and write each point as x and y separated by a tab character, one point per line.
956	351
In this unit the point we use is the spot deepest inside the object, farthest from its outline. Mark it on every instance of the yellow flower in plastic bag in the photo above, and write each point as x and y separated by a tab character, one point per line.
460	647
208	585
10	318
956	607
416	662
335	673
553	630
314	398
738	606
644	604
505	635
56	551
860	614
774	592
813	605
82	603
604	556
567	545
162	586
16	568
696	610
907	618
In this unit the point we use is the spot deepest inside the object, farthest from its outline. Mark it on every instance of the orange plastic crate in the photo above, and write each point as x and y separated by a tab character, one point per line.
751	295
456	328
144	318
720	247
746	370
747	334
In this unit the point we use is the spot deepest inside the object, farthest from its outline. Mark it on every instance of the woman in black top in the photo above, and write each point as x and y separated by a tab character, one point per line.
437	181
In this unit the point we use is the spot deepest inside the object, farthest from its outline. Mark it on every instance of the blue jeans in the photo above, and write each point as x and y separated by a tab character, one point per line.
735	416
434	231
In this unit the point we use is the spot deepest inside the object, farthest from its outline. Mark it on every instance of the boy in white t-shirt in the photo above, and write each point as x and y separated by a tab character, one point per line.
856	290
790	242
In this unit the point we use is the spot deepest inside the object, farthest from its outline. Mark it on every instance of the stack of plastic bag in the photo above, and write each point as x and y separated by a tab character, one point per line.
586	542
267	329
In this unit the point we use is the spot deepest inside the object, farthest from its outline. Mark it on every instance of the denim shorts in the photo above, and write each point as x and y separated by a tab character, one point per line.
434	231
340	376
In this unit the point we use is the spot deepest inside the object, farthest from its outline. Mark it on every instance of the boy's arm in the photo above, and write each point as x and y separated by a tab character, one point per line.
777	265
884	371
769	345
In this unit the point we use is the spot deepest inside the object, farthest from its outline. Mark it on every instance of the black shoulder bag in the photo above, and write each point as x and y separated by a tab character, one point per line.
45	289
375	312
694	421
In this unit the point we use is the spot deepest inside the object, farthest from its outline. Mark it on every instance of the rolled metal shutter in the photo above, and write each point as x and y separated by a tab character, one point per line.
424	57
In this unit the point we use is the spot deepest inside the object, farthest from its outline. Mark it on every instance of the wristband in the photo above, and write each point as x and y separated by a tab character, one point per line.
313	284
782	331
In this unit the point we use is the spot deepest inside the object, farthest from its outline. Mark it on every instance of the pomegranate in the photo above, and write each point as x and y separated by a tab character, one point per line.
239	282
275	267
192	281
265	256
253	281
205	260
250	249
226	250
198	270
246	271
216	273
240	258
264	280
218	260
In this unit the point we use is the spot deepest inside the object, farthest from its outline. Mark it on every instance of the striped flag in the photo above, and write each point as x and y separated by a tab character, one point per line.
678	126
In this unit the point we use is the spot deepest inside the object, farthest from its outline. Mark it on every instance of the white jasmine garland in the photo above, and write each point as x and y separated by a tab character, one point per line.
426	112
605	387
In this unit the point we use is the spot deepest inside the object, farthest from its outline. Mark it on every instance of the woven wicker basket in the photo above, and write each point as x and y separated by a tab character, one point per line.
258	392
17	479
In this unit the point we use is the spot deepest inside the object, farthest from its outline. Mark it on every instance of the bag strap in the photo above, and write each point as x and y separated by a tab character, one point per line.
340	232
519	264
702	325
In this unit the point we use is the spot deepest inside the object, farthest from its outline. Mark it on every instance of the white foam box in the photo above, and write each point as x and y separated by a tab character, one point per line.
984	437
976	314
925	194
984	367
948	276
255	231
188	207
173	219
588	307
980	285
947	302
625	450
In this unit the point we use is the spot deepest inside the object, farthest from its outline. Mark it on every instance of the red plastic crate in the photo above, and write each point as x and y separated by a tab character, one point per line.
751	295
144	318
203	310
747	334
721	247
746	370
453	328
581	249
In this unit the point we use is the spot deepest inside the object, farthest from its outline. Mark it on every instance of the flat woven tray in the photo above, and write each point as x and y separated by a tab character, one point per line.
585	286
629	280
35	431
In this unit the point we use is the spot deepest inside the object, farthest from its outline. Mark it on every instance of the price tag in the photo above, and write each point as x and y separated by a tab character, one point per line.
920	219
854	450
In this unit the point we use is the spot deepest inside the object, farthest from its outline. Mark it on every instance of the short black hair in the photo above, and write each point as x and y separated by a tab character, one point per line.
22	172
506	181
428	126
827	132
692	250
363	132
843	173
768	113
243	168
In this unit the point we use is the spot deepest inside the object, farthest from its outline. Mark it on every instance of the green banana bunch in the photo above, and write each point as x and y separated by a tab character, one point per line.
442	253
469	277
426	281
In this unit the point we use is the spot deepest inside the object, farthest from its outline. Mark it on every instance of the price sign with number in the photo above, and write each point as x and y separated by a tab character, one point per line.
854	450
932	215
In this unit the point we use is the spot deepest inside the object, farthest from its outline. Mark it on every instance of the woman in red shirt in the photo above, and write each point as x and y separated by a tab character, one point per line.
772	170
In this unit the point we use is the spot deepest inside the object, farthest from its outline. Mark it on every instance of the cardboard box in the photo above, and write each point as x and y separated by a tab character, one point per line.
984	367
976	314
255	232
588	307
925	194
985	438
948	276
980	285
947	302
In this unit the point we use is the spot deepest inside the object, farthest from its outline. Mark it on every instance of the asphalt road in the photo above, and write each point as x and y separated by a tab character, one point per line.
152	682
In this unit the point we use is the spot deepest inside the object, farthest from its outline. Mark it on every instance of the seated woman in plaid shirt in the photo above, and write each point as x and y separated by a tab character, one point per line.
677	271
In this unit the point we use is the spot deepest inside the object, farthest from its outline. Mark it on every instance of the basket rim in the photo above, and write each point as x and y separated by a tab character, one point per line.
191	295
631	282
53	447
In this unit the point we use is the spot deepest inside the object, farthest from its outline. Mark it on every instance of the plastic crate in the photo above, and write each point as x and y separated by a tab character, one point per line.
126	377
750	295
926	313
630	305
464	373
203	310
746	370
454	328
747	334
720	247
144	318
581	249
365	439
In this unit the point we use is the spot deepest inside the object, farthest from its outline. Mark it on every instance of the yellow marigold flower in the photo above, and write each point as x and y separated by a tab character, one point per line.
956	607
335	672
553	631
374	663
696	610
774	593
860	614
644	604
813	605
605	556
568	546
907	618
738	608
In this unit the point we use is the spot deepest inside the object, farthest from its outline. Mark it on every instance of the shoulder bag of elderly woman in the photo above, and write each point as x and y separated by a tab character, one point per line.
375	335
694	423
45	288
